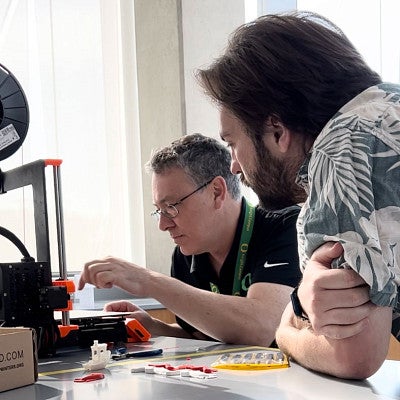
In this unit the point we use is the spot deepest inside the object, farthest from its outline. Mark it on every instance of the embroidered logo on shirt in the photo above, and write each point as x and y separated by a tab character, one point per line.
267	264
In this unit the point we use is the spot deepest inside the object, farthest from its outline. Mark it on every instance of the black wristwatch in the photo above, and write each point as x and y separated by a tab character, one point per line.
297	308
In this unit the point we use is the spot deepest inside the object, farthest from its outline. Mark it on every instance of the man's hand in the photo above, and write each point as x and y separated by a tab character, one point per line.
335	300
111	271
136	312
347	335
122	306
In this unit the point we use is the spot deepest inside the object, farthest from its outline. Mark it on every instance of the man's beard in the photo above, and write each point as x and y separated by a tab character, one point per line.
273	181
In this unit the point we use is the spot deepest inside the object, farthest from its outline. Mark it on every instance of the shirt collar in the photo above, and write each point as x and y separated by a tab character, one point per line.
302	174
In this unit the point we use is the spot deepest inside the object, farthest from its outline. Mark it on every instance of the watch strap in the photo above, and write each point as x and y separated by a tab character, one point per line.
297	308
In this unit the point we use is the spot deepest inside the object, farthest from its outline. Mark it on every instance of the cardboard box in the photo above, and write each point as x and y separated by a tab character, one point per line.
18	358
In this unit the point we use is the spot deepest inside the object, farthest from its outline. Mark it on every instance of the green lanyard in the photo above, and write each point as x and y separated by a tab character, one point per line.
247	230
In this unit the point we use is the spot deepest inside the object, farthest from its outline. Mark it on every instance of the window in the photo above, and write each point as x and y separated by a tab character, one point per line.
371	26
68	56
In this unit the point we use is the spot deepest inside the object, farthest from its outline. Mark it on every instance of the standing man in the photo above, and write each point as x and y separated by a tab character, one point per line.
234	265
307	120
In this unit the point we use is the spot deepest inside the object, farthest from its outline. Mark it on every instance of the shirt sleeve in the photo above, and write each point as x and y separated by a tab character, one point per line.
351	201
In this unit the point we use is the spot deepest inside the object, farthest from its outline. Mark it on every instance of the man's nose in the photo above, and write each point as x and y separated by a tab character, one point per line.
164	223
235	166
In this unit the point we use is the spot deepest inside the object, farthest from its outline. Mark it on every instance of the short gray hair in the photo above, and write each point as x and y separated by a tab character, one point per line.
202	158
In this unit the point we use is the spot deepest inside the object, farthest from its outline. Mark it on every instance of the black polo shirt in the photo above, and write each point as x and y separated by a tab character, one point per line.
273	241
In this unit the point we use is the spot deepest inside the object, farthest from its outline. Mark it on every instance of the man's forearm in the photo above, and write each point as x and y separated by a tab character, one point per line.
356	357
161	328
226	318
244	320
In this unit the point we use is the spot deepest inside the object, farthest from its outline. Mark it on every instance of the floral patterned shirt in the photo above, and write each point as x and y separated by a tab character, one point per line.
352	178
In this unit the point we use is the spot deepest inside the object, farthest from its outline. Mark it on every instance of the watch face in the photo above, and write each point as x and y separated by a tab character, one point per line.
14	114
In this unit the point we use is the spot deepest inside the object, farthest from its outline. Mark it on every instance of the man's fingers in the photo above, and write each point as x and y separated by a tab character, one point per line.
326	253
103	279
341	317
121	305
81	283
341	298
344	331
98	274
341	279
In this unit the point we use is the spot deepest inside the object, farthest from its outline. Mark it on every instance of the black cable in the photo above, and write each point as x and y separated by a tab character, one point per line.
21	247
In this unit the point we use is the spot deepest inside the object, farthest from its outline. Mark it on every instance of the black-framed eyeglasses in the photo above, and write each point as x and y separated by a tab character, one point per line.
170	211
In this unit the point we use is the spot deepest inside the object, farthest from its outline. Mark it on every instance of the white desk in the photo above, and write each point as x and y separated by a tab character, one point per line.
293	383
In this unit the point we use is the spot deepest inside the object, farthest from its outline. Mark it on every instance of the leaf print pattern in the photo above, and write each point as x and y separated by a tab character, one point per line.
353	184
344	161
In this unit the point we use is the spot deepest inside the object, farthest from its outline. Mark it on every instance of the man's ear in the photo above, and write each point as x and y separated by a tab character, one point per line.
277	135
220	190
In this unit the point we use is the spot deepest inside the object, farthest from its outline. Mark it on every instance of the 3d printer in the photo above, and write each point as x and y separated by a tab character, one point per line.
28	294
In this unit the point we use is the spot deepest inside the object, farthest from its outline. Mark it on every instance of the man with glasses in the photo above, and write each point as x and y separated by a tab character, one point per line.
234	265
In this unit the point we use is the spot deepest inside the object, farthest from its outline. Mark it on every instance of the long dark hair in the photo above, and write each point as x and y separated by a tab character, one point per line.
298	67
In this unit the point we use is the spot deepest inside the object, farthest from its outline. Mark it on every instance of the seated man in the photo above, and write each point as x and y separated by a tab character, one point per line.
234	265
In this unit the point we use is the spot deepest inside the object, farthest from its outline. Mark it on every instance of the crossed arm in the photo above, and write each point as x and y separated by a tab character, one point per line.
347	336
231	319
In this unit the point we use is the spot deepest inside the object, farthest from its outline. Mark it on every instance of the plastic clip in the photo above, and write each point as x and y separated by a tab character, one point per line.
94	376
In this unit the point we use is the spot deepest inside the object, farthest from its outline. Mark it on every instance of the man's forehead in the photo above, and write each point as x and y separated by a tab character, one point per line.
229	121
168	185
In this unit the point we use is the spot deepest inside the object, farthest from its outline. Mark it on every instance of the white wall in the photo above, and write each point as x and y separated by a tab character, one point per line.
206	26
173	38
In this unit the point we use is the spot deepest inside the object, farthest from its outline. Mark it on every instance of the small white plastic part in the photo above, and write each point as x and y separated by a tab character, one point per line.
100	356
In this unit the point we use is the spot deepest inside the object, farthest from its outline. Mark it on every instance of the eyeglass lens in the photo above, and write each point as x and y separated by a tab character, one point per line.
170	211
